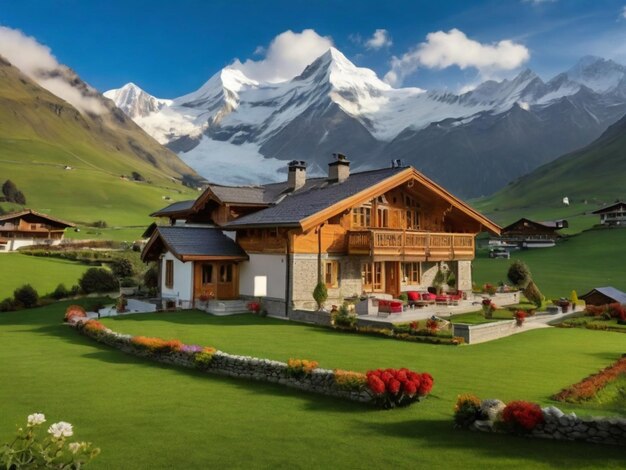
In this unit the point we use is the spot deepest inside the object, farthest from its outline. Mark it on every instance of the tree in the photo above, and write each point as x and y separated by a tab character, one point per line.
98	280
519	274
26	296
122	267
12	194
533	294
151	277
320	294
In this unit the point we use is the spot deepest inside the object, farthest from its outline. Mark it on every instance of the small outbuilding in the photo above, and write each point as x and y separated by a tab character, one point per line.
604	296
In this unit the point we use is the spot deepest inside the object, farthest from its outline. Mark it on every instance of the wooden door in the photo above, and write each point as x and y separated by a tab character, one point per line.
204	280
392	278
227	281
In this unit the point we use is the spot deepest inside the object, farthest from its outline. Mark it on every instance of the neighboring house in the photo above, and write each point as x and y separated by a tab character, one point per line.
28	227
614	214
380	231
603	296
526	233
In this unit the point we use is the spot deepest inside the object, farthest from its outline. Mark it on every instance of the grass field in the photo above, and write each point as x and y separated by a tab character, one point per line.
44	274
145	415
582	262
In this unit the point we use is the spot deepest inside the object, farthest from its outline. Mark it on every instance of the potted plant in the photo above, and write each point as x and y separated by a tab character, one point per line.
320	295
520	316
488	308
438	281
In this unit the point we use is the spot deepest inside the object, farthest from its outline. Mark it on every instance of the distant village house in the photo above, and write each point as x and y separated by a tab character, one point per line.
525	233
612	215
28	227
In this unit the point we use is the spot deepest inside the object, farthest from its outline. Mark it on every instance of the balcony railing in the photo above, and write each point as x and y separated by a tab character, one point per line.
427	245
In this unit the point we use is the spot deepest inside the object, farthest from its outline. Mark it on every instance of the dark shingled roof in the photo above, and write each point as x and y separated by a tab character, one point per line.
610	208
240	194
611	292
16	215
199	241
318	194
173	208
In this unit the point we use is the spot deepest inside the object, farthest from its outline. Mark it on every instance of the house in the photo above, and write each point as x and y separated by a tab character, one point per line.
604	296
28	227
525	233
381	231
615	214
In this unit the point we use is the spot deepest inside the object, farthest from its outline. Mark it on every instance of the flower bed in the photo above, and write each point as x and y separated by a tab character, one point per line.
410	332
590	386
529	419
297	373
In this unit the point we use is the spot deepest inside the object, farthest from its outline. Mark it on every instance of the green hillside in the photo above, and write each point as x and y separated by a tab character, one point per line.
41	134
590	177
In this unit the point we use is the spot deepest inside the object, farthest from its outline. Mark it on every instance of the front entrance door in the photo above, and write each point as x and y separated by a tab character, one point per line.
392	278
215	280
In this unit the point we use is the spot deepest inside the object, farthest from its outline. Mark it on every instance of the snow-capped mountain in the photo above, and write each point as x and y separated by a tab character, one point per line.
135	102
474	143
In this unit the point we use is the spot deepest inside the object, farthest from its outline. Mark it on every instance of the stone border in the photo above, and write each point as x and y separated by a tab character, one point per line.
321	381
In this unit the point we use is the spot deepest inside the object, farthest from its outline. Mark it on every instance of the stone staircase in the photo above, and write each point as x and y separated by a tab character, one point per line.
226	307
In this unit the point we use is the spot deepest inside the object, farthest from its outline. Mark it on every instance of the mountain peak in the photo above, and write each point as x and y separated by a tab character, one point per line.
134	101
598	74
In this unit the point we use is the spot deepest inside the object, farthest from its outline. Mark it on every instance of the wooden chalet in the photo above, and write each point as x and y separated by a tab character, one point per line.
28	227
604	296
381	231
612	215
526	233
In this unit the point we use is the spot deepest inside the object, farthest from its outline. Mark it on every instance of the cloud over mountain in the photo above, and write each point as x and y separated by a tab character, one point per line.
379	39
37	62
453	48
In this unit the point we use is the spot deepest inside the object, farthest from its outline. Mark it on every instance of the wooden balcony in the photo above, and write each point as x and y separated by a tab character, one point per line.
426	246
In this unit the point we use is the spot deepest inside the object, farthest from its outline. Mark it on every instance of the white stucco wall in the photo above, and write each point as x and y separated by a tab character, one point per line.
183	279
272	266
14	243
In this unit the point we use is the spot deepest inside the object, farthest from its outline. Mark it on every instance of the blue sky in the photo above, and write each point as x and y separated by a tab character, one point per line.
171	47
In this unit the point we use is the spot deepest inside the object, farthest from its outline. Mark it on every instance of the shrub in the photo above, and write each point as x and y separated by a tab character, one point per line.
398	387
60	292
74	311
94	327
122	267
488	308
489	289
300	367
12	194
344	319
432	325
573	298
533	294
466	410
451	281
349	380
519	274
151	277
128	282
26	296
522	417
404	298
98	280
8	305
320	294
520	316
254	307
99	224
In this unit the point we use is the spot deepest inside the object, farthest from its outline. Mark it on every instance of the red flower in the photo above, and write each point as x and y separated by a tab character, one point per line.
376	385
426	384
523	414
394	386
410	388
401	375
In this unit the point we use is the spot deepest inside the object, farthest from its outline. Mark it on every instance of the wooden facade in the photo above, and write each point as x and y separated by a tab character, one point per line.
31	227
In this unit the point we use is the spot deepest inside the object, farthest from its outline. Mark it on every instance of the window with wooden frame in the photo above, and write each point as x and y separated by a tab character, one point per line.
412	213
361	216
372	277
226	273
169	273
411	272
207	274
331	273
378	276
367	279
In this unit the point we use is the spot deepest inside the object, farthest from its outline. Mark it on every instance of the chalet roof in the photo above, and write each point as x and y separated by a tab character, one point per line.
550	224
187	243
610	292
610	208
316	195
174	208
20	214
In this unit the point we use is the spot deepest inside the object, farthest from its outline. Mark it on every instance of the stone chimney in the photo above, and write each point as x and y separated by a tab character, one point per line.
297	174
339	170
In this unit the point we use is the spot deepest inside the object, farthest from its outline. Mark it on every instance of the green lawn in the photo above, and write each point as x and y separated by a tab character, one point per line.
582	262
146	415
475	318
44	274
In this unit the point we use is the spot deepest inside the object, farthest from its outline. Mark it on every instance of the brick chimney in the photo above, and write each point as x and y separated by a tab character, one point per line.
297	174
339	170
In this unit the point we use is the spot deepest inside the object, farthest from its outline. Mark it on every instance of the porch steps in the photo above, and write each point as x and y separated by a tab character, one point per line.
226	307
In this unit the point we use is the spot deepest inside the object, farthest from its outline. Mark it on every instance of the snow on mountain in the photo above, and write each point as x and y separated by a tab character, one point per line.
333	105
135	102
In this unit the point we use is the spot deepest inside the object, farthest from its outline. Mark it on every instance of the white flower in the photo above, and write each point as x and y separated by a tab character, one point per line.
36	418
75	446
61	429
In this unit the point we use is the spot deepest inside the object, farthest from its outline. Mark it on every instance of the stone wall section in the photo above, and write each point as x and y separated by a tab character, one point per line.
320	381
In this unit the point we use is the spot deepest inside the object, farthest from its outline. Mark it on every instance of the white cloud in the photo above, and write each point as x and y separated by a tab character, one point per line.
623	15
36	61
287	56
453	48
379	39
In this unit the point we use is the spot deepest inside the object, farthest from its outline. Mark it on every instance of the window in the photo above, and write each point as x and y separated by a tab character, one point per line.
226	273
207	274
361	216
372	276
33	226
382	217
412	213
331	273
411	272
169	273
